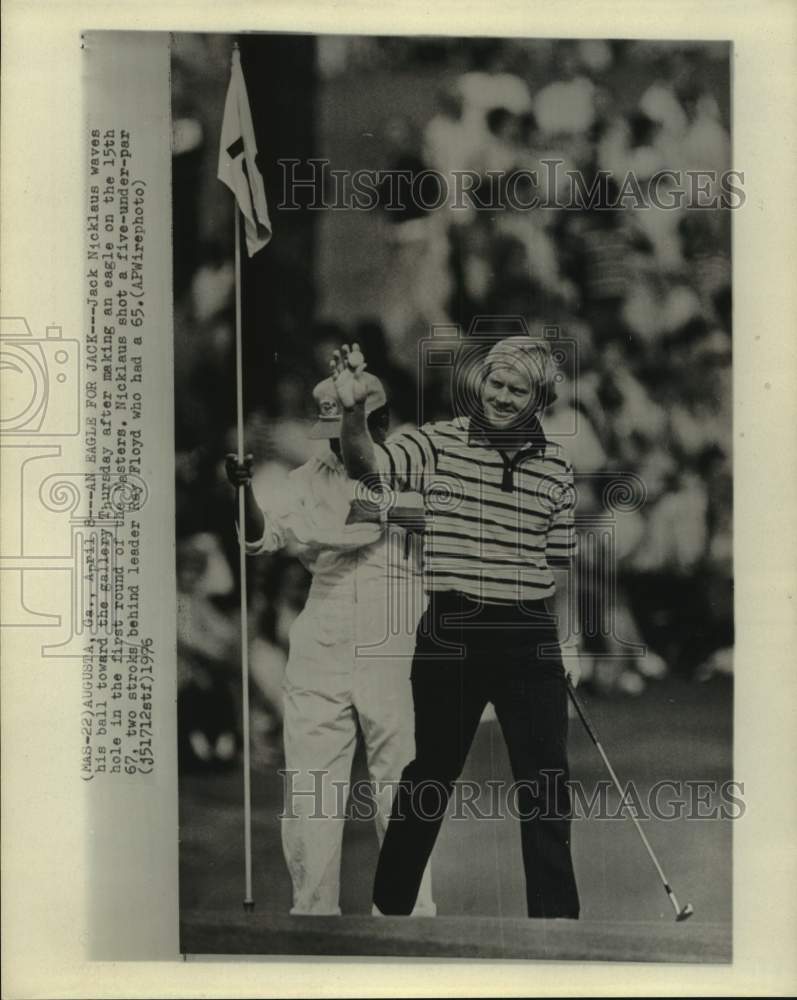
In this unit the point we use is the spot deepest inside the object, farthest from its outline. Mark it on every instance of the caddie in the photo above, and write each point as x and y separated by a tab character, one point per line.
350	652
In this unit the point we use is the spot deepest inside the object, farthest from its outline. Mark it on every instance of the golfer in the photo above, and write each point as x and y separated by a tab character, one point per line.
499	502
349	656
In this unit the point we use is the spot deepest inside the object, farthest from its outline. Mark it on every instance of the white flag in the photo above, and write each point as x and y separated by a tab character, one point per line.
238	167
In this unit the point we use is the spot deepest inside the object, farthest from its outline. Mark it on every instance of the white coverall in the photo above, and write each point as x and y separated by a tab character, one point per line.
348	666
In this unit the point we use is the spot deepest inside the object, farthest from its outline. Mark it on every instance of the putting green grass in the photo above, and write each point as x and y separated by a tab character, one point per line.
457	937
675	731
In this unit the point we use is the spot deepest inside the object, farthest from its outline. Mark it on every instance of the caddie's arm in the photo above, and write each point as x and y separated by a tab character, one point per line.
356	443
240	474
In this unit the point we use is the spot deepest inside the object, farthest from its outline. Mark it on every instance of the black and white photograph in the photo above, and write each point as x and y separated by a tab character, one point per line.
397	560
453	359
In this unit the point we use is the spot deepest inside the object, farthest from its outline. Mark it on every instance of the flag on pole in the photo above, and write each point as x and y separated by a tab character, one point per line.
238	161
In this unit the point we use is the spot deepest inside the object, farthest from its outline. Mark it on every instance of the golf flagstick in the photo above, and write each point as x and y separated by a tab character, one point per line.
238	169
680	913
239	391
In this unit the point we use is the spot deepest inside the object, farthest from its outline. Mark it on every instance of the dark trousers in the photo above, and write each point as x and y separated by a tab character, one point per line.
500	660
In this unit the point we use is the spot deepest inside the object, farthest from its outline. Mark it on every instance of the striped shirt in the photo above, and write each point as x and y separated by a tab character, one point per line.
492	523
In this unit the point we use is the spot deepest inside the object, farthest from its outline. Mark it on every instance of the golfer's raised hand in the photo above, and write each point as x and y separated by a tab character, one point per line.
346	367
238	473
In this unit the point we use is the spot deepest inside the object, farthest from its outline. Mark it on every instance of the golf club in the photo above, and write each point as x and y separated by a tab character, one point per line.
681	913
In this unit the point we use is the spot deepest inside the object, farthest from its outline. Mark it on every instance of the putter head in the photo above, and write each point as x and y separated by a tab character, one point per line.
685	913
